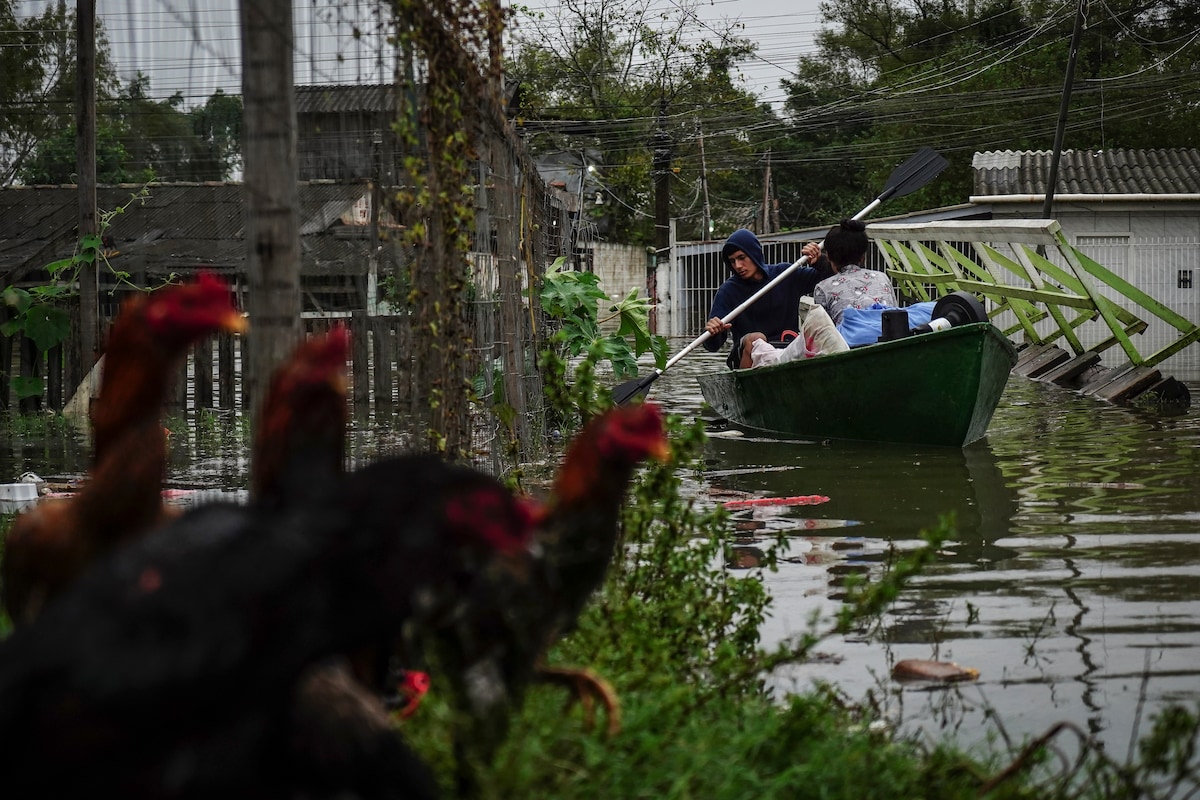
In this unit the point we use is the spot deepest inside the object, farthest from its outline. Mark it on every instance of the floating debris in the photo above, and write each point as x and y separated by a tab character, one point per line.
915	669
800	500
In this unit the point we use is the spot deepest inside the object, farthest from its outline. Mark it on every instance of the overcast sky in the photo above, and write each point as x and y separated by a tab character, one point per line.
783	31
191	46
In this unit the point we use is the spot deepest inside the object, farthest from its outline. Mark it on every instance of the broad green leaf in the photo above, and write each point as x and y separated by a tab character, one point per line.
17	298
617	351
51	291
26	386
634	321
55	267
47	326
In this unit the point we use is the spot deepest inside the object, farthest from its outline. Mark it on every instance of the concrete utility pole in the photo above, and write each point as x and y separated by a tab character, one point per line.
271	196
1061	127
85	167
706	223
661	170
766	206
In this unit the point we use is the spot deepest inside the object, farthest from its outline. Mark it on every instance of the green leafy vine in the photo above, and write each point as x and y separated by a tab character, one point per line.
41	313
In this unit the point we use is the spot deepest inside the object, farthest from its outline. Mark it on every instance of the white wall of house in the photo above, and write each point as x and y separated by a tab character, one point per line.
621	269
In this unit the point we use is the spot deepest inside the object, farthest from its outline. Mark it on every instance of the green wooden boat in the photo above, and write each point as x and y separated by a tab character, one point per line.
938	388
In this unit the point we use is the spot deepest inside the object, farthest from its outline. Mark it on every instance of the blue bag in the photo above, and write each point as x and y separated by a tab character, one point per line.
864	325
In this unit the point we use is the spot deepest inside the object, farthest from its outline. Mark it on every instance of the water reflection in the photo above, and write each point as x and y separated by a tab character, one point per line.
1074	574
1072	584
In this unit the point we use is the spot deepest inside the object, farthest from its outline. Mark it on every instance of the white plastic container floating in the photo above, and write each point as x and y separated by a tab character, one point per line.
16	496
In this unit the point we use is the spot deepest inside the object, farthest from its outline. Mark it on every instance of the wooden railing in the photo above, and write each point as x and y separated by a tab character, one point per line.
1038	284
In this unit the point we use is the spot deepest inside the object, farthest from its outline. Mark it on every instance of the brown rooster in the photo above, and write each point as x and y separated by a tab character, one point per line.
339	736
303	422
520	607
49	545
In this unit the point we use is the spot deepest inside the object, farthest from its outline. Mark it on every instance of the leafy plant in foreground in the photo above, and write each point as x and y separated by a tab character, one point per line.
573	299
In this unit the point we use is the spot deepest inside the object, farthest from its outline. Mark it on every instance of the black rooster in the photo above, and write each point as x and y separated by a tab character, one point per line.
521	606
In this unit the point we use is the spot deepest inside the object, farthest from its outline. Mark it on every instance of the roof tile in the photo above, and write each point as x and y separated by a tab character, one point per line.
1166	171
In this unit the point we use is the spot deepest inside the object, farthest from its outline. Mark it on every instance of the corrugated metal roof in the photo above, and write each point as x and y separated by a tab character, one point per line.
179	226
1168	171
341	98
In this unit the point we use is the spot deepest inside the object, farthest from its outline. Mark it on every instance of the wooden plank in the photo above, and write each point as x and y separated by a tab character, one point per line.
6	358
381	352
1129	385
176	399
1027	231
54	378
1047	361
226	370
1067	372
202	355
1028	355
1102	379
244	355
31	367
360	346
1168	396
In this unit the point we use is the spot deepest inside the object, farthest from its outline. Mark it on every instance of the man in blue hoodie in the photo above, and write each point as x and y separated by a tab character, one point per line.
773	313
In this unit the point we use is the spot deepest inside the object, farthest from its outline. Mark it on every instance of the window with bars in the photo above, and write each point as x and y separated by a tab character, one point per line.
1185	279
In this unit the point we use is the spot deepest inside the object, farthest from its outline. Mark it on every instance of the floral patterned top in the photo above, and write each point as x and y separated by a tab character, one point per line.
854	287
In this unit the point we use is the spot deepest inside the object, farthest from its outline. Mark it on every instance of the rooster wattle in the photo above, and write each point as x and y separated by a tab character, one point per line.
52	543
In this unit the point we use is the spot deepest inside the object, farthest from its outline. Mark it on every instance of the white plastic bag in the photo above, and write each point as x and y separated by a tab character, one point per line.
818	337
763	354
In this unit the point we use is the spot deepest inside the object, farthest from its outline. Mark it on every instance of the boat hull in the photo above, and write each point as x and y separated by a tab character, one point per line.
936	388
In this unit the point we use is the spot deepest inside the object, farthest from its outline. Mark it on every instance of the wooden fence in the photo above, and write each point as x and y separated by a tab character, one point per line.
380	369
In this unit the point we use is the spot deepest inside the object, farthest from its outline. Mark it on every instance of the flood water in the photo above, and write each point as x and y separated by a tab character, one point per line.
1072	585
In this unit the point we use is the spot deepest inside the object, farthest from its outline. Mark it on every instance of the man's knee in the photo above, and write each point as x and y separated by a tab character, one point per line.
748	341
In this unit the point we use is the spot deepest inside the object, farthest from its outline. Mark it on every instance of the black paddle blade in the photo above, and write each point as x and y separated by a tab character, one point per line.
632	390
922	167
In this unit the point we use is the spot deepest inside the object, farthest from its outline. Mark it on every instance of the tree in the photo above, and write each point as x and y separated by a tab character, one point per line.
139	139
37	94
622	78
967	76
217	126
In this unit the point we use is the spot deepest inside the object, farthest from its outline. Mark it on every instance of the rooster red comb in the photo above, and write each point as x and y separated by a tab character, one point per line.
189	311
324	354
630	433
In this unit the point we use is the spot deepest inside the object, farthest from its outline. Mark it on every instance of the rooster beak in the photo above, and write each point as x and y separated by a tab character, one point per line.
235	322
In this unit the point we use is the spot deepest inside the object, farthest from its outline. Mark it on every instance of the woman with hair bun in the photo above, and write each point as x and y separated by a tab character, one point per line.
852	285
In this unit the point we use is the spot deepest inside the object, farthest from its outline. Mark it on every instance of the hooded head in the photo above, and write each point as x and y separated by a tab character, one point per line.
745	241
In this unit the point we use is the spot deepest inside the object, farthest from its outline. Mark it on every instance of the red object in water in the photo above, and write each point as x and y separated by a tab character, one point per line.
799	500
